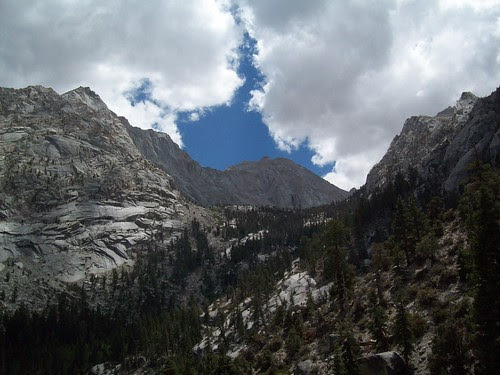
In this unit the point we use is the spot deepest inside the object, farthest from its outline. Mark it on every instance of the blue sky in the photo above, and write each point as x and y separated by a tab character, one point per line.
229	134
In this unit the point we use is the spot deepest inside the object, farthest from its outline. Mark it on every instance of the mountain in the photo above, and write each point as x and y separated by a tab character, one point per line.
441	148
267	182
76	194
82	190
106	268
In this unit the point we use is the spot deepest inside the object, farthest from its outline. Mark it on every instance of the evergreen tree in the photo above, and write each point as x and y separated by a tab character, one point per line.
449	350
408	226
480	208
402	334
336	267
239	323
377	324
350	351
338	362
401	230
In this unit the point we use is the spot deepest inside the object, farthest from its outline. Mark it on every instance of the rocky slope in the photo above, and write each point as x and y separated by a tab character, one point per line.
306	302
440	148
76	195
267	182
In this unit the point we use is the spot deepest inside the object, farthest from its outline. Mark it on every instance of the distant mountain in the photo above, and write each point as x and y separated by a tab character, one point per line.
268	182
441	148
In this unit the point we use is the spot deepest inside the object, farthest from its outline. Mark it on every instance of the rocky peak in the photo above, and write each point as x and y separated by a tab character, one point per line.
464	105
439	148
76	196
85	96
268	182
29	100
466	95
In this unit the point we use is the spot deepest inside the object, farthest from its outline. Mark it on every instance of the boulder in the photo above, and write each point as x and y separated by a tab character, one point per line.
306	367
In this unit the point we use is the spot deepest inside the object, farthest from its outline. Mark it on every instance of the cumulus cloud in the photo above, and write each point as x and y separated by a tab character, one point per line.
186	50
340	76
343	76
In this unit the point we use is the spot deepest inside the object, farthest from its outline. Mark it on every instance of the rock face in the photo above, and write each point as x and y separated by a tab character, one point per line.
76	195
267	182
387	363
440	148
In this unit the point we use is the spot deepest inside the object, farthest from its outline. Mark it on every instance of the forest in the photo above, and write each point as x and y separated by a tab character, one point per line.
147	322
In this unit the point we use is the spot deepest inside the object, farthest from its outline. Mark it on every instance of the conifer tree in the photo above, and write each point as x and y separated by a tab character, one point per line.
401	231
350	350
377	324
449	350
338	362
239	323
480	208
336	268
402	334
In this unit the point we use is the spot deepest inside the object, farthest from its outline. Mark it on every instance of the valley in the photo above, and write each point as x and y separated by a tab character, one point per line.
121	254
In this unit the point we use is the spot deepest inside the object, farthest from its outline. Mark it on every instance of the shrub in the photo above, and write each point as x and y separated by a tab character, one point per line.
275	344
427	297
418	325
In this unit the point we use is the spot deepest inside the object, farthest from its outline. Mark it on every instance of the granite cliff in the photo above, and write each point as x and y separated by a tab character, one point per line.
75	194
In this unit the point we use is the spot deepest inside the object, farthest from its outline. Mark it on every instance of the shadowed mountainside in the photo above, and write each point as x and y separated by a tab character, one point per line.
268	182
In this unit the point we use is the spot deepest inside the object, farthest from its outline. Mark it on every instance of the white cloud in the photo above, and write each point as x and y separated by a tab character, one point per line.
343	76
340	75
188	50
194	116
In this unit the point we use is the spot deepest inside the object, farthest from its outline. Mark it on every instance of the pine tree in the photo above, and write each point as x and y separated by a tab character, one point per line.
377	325
338	362
239	323
449	350
402	334
417	221
293	343
480	208
401	231
350	351
336	268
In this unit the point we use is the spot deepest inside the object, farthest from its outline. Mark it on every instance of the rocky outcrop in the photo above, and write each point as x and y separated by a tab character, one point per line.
76	195
387	363
441	148
267	182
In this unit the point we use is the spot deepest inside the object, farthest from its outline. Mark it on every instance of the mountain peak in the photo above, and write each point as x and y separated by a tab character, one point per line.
466	95
440	148
267	182
85	96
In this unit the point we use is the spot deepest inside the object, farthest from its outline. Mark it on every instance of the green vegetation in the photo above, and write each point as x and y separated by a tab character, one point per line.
433	276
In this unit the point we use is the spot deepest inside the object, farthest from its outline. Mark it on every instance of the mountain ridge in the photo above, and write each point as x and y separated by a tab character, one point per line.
438	149
272	182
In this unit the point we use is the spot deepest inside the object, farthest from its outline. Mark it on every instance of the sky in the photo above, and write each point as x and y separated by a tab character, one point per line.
327	84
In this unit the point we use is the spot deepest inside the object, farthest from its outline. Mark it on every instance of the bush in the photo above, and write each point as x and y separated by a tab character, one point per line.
439	313
264	360
426	248
293	343
275	344
427	297
418	325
